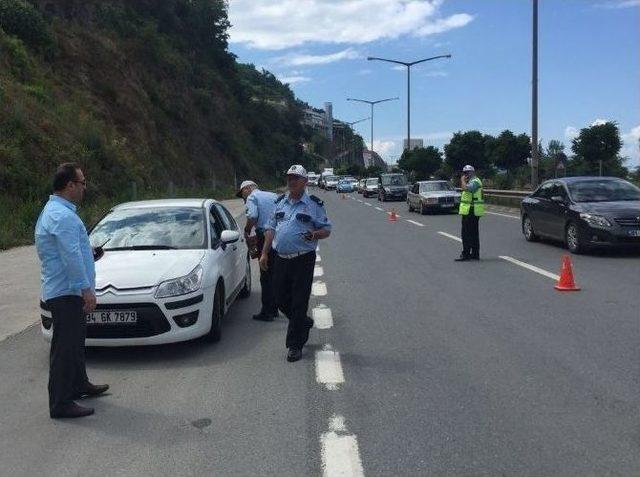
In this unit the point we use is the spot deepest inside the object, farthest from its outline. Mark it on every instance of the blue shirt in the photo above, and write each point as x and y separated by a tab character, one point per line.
473	184
64	250
260	207
291	219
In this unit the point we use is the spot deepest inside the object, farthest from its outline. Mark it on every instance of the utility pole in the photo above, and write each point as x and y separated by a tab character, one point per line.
372	104
534	100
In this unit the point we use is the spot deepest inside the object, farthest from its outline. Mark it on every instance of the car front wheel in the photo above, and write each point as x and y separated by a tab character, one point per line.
215	333
246	289
527	229
572	239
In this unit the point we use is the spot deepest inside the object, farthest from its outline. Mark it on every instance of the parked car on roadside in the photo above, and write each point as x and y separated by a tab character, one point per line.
370	187
170	271
393	187
584	213
431	196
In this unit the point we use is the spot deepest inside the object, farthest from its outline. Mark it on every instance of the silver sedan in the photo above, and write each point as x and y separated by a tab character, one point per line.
431	196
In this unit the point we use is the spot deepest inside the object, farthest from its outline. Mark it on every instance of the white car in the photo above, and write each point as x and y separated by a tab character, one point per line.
170	270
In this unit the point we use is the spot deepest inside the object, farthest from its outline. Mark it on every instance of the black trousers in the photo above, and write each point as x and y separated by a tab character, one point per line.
67	370
470	235
268	296
293	280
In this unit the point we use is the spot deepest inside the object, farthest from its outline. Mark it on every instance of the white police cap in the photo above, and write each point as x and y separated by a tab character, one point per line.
243	185
297	170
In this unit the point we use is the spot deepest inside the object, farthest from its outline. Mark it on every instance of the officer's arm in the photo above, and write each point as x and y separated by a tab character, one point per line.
251	223
252	215
321	234
268	239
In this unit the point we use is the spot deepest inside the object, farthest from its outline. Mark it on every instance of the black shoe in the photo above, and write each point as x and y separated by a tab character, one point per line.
92	390
474	257
264	317
294	354
462	258
71	410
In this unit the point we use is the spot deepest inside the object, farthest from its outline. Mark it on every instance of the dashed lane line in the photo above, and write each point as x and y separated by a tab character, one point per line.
415	223
329	368
452	237
339	451
318	258
322	317
368	204
318	272
319	289
533	268
378	208
504	215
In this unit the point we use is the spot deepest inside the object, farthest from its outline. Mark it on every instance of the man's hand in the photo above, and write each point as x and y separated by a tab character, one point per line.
89	301
264	262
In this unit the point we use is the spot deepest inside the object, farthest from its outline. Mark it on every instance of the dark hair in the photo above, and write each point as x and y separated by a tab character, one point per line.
65	173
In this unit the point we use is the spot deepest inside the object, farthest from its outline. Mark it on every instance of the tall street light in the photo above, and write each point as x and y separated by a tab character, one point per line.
408	64
351	124
534	98
372	104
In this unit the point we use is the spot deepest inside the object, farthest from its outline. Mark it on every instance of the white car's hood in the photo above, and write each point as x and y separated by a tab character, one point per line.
144	268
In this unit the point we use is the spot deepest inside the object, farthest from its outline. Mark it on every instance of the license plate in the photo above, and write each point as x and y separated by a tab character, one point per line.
112	317
634	233
446	205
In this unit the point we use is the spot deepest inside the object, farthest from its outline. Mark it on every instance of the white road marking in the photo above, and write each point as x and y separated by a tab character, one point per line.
319	289
504	215
530	267
415	223
452	237
322	317
378	208
318	272
359	200
368	204
318	258
340	452
317	248
329	368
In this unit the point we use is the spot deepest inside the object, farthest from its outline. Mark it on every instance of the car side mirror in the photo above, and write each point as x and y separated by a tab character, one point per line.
558	199
229	236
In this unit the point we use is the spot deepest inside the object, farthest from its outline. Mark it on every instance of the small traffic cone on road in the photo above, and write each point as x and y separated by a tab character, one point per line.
566	283
344	196
392	216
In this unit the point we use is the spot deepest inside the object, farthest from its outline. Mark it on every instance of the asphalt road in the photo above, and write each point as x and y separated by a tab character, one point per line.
427	367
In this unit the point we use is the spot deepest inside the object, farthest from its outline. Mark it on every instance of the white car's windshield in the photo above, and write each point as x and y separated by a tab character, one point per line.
144	228
372	182
398	180
435	186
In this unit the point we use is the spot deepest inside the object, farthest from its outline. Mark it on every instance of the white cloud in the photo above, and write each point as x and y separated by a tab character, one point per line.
300	60
617	4
294	79
571	132
436	74
365	71
389	150
599	122
267	25
631	146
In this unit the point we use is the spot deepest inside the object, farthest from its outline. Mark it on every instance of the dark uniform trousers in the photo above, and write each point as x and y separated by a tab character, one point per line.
67	370
470	235
268	295
293	280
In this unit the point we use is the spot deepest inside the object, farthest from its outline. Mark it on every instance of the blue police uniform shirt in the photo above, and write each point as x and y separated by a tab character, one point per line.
472	185
260	206
64	250
291	219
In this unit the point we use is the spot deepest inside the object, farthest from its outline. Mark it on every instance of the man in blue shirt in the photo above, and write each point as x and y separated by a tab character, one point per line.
259	209
298	222
68	284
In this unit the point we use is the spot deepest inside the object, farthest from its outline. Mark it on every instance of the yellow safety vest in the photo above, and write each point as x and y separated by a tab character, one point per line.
468	199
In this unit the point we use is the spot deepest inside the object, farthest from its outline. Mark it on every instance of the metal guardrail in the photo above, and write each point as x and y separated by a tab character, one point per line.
514	194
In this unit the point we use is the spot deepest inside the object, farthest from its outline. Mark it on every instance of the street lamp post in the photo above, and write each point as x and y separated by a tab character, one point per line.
351	124
408	64
372	104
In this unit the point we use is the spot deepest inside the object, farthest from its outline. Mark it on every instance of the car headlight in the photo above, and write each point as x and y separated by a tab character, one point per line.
595	220
430	200
387	190
181	286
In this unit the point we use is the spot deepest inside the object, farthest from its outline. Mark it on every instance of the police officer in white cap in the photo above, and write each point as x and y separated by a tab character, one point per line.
471	209
293	232
259	209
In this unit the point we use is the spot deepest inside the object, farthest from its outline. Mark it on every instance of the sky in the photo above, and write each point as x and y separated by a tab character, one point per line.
589	64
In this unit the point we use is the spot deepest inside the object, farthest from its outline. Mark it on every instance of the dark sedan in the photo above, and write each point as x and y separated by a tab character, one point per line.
584	212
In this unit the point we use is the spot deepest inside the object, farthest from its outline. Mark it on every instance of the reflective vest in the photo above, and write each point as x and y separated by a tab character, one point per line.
468	199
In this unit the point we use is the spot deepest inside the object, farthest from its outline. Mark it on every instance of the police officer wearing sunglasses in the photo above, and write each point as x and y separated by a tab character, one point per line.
297	224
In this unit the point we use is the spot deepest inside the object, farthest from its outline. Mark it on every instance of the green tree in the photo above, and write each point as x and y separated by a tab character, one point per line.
508	151
373	171
468	148
599	145
421	162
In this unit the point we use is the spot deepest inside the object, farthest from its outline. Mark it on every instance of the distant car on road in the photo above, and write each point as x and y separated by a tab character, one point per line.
361	185
371	187
344	186
430	196
313	179
583	212
393	187
331	182
170	270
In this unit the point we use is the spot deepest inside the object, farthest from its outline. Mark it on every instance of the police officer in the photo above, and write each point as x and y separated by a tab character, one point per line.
297	224
471	209
259	208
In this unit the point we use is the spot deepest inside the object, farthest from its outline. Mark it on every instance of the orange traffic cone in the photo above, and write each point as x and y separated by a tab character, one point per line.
566	283
392	216
344	196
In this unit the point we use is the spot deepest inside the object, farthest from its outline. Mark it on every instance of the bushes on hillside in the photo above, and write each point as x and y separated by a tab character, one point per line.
21	19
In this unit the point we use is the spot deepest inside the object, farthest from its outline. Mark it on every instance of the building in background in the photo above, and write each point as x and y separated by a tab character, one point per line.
415	143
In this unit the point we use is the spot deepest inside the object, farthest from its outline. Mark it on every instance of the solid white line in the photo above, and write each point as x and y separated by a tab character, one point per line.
530	267
368	204
340	452
318	272
319	289
322	317
504	215
415	223
378	208
329	368
452	237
